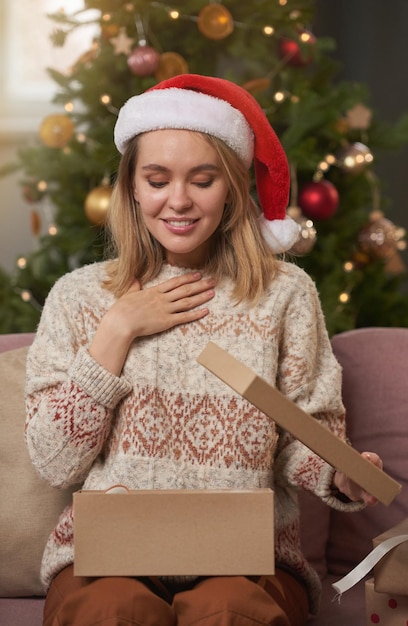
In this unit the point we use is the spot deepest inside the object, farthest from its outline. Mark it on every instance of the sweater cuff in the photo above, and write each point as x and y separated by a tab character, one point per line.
325	492
96	381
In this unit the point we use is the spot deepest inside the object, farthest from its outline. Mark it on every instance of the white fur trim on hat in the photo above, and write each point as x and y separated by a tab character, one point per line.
280	235
187	110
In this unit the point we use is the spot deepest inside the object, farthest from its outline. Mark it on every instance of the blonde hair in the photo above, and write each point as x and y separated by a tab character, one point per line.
238	250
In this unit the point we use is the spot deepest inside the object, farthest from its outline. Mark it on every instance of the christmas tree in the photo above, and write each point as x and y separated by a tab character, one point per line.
328	128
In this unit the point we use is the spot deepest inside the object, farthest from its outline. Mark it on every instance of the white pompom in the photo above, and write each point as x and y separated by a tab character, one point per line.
280	235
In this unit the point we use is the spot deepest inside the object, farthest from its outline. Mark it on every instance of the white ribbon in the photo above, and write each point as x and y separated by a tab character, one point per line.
367	564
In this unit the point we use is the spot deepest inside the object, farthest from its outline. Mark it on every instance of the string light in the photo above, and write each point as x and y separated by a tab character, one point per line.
268	30
344	297
348	266
52	230
25	295
305	37
69	107
42	185
279	96
105	99
22	263
324	166
174	14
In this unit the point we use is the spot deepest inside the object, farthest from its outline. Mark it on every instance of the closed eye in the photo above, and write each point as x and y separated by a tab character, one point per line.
205	184
157	185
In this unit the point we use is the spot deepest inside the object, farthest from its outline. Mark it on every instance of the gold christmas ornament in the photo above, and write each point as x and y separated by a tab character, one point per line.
354	157
215	21
307	236
97	204
382	239
56	130
170	64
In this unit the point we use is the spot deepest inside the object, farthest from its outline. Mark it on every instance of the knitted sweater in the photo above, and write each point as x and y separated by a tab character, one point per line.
166	422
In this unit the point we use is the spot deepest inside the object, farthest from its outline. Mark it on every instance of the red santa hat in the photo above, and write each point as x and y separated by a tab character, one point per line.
225	110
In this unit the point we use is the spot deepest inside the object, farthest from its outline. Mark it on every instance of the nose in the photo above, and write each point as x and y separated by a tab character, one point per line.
179	199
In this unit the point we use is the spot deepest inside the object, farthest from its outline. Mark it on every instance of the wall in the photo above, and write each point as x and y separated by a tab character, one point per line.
26	93
372	49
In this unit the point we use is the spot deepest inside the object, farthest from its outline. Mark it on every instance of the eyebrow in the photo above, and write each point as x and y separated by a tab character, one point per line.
204	167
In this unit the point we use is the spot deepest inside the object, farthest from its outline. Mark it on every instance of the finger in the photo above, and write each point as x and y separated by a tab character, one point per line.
178	281
191	302
374	458
182	294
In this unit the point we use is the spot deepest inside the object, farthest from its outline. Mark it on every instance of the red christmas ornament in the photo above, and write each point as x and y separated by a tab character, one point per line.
143	61
318	200
294	52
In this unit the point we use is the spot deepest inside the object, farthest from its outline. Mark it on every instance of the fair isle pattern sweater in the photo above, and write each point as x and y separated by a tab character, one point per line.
168	423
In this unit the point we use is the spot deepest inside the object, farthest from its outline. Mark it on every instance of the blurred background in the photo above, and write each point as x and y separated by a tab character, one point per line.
258	46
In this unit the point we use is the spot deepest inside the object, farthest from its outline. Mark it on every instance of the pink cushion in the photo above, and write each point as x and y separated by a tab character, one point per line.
375	392
21	611
16	340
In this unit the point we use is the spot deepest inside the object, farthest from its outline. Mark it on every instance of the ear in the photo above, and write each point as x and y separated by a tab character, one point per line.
135	193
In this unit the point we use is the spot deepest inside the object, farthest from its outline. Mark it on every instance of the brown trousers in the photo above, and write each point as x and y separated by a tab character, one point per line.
218	601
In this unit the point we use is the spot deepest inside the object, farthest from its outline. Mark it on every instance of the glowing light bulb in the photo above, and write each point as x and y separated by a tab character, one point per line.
268	30
344	297
22	262
25	295
305	37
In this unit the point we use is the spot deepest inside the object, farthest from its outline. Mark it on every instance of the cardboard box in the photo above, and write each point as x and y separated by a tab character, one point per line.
174	532
391	572
383	608
299	423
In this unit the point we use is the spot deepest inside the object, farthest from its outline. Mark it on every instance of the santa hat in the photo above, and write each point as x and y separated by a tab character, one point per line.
220	108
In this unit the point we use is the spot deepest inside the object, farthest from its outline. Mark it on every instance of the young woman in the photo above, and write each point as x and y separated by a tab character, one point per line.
114	390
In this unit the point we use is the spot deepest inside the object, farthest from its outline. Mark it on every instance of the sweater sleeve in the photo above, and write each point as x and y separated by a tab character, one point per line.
70	398
310	376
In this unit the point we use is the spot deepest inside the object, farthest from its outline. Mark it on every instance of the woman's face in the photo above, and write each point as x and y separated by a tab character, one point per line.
182	191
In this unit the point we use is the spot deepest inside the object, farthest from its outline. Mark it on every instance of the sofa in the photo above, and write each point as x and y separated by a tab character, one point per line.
375	392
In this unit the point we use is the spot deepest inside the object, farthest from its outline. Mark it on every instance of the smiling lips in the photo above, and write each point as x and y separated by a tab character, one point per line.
180	226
